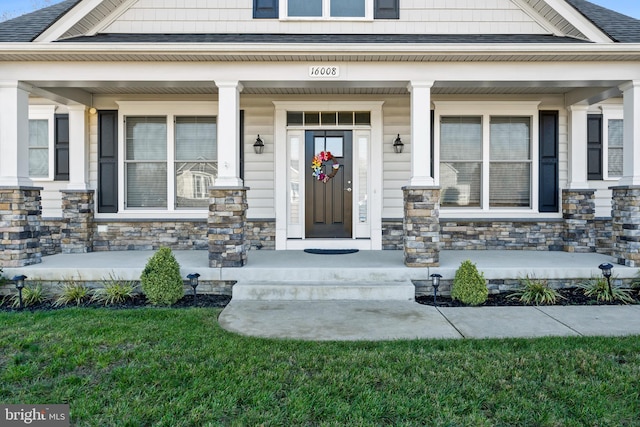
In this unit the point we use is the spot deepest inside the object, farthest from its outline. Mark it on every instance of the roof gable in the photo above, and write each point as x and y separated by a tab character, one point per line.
27	28
126	18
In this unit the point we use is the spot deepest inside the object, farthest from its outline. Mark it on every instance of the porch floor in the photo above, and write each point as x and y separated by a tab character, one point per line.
369	266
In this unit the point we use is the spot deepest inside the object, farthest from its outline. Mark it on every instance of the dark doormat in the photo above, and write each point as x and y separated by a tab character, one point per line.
331	251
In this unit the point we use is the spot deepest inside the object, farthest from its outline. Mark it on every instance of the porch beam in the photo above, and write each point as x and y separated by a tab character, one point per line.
421	173
14	135
64	96
228	134
578	147
631	139
78	152
591	95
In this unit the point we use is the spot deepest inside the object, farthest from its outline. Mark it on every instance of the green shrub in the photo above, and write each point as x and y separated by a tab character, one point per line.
3	280
30	296
115	291
535	291
598	288
72	292
469	285
161	281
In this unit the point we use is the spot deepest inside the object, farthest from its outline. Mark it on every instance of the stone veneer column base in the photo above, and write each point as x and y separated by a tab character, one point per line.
76	235
625	212
20	218
227	219
578	212
421	226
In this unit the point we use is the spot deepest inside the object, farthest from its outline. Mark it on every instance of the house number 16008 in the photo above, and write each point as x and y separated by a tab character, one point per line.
322	71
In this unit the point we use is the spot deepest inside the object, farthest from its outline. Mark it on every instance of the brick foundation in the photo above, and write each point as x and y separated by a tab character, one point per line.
20	216
421	226
227	218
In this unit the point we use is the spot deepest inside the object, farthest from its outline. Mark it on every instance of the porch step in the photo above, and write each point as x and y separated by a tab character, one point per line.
323	291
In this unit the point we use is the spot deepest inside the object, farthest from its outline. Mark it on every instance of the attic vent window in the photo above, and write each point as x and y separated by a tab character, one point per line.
329	118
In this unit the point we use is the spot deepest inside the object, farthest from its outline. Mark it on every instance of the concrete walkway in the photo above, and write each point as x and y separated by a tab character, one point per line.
390	320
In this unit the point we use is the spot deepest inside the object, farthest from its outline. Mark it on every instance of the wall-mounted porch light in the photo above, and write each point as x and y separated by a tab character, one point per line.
258	146
19	286
398	146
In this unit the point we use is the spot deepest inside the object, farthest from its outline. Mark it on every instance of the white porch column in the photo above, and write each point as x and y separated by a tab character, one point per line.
578	147
228	134
421	134
14	135
631	142
78	158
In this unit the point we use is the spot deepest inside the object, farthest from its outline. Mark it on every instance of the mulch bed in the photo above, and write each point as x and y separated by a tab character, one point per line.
202	300
570	296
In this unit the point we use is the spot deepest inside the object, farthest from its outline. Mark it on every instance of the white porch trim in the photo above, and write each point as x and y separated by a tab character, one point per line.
421	173
228	135
14	134
78	150
578	147
631	144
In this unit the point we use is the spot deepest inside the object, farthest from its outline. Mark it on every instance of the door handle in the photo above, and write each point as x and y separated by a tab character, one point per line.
348	189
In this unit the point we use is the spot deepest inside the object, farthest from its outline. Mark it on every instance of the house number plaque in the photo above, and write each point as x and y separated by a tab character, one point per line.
324	71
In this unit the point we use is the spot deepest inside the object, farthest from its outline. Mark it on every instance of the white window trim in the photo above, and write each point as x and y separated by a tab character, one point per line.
169	109
46	112
609	112
485	110
326	13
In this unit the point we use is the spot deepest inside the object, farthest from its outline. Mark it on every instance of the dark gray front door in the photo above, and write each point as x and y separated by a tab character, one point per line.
328	205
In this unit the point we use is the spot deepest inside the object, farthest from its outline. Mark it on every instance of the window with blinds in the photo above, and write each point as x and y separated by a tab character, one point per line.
615	144
510	162
196	160
146	162
39	148
461	161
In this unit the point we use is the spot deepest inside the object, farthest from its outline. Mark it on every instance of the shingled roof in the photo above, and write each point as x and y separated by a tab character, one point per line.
621	28
27	28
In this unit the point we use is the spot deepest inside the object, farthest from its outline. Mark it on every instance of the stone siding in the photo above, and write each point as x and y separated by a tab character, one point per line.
626	225
501	234
578	212
20	218
227	218
392	234
421	226
77	229
141	235
261	234
50	236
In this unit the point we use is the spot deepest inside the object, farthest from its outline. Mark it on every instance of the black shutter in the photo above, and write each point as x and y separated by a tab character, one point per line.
108	161
265	9
61	147
386	9
549	182
594	146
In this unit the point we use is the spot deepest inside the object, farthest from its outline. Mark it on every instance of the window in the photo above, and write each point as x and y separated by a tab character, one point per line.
39	148
510	162
327	8
152	143
486	162
615	144
605	144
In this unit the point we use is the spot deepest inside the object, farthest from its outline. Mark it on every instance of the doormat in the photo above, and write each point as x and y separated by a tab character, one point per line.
331	251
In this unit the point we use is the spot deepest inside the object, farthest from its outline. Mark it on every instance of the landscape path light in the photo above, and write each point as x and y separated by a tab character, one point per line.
435	282
193	281
606	272
19	286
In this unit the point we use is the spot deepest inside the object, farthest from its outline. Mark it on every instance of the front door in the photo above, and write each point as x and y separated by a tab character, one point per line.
328	205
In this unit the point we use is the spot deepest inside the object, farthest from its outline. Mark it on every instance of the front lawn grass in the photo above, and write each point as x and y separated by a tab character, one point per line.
177	367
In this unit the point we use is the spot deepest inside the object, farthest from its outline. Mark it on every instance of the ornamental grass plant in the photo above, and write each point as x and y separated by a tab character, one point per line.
31	295
72	291
599	289
115	291
534	291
